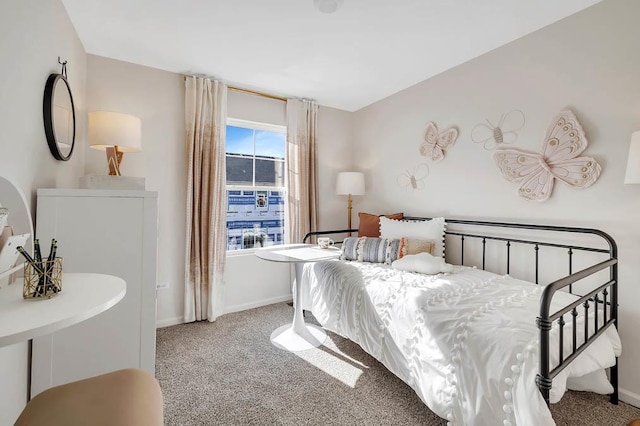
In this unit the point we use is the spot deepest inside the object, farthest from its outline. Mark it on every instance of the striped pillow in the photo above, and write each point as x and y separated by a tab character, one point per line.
374	250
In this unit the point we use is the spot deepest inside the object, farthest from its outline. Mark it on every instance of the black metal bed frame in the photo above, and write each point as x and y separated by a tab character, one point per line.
544	322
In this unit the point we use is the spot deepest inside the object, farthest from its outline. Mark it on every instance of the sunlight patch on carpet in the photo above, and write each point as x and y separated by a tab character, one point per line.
334	363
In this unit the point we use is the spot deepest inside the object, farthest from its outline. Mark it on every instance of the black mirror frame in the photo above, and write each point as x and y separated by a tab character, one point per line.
47	111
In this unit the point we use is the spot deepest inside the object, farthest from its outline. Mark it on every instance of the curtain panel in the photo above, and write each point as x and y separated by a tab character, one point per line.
302	195
205	121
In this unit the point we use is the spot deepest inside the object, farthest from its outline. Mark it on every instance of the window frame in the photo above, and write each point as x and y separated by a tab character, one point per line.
258	126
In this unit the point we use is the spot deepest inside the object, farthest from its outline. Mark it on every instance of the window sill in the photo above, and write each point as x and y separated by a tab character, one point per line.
240	253
247	252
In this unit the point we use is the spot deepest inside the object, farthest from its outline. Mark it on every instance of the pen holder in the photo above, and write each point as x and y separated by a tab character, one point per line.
42	280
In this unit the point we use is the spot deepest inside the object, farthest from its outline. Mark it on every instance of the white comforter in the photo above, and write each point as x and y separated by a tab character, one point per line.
466	342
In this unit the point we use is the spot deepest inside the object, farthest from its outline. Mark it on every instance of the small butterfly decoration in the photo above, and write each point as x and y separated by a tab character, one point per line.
505	132
564	142
435	143
413	179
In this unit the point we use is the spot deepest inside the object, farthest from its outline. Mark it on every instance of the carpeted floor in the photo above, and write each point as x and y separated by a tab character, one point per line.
228	373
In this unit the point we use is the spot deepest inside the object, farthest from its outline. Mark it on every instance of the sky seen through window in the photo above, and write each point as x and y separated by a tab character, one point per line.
268	144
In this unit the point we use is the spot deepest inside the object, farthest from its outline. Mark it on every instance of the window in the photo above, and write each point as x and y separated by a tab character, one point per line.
255	154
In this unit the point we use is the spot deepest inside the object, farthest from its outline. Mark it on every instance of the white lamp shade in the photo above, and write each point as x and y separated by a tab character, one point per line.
633	161
350	183
107	129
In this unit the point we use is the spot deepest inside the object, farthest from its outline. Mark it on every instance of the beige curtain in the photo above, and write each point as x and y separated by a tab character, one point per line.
205	120
302	195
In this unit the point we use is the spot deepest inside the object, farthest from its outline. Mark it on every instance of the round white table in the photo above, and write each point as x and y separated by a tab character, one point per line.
297	336
82	297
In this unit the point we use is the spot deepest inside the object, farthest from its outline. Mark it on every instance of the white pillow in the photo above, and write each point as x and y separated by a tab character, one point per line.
424	229
593	382
423	263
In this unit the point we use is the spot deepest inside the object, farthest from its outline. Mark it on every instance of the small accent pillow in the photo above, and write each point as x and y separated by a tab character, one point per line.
369	224
415	246
374	250
423	263
432	229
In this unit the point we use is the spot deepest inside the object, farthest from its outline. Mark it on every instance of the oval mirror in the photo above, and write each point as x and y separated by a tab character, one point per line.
59	117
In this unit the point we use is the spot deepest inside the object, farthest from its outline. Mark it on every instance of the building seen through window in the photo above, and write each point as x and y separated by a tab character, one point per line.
255	155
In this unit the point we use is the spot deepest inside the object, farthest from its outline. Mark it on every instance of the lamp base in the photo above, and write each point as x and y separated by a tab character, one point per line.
114	158
112	182
349	208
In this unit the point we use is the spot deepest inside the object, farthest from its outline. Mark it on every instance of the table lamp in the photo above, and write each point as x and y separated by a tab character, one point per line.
116	134
632	174
350	183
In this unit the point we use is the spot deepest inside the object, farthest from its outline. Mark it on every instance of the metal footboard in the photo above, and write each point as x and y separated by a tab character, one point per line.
546	319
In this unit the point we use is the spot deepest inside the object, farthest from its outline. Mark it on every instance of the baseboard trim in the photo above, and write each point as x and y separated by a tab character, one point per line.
629	397
168	322
257	304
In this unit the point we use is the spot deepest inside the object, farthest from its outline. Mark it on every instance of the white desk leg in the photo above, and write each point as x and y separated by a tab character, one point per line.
298	336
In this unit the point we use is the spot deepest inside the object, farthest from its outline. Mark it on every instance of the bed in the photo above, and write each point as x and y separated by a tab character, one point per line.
481	347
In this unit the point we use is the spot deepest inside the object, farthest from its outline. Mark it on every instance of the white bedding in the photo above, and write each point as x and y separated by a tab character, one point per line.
466	342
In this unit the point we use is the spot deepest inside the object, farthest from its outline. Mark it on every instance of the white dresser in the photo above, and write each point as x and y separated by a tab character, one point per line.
109	232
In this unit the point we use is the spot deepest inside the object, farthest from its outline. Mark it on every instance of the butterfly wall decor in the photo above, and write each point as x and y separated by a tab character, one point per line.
505	132
435	143
413	179
564	142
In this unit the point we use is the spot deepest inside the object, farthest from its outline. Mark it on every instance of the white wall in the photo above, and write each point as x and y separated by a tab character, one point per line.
33	34
588	62
335	137
157	97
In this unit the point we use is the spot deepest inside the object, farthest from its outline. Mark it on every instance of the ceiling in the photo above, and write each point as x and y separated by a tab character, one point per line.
364	52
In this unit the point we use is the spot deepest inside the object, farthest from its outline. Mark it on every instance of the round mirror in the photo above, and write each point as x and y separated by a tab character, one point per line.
59	117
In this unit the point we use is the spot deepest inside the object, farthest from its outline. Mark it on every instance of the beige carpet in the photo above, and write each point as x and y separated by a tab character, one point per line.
228	373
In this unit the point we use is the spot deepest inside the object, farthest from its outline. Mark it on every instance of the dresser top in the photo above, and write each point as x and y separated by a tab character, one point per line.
74	192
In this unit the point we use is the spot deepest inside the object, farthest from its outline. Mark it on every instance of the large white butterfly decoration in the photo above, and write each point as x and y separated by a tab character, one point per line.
435	143
564	141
